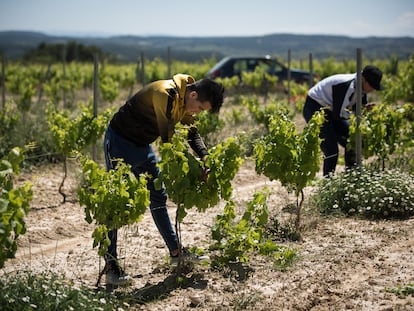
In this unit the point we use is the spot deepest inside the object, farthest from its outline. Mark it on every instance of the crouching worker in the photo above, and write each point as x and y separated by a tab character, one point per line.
337	94
151	113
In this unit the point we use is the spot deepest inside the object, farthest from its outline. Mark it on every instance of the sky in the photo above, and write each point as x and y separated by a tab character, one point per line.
216	18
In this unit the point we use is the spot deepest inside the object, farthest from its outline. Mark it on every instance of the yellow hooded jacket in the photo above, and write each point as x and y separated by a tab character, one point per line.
153	112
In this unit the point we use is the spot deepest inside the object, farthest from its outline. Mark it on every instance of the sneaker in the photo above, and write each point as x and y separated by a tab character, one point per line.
187	256
116	276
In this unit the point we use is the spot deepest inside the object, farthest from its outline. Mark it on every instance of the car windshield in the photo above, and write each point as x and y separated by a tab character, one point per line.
219	64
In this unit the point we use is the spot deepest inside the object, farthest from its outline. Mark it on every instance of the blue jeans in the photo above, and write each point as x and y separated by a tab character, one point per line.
333	132
142	160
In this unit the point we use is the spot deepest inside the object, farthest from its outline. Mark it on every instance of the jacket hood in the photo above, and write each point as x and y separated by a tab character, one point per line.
182	80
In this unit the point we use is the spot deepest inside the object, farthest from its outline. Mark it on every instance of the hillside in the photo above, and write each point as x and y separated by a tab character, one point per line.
128	48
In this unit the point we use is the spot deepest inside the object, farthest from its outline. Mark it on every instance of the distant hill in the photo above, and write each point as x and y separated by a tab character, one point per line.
128	48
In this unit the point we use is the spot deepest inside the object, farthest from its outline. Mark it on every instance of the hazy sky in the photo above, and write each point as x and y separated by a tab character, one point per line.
355	18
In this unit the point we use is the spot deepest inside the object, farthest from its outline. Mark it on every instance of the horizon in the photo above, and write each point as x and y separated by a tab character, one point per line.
106	35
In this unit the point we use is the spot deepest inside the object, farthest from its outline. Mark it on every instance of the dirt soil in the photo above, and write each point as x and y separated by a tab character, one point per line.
343	263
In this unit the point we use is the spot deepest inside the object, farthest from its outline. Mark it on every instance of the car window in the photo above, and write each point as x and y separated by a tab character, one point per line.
266	65
239	66
251	65
271	66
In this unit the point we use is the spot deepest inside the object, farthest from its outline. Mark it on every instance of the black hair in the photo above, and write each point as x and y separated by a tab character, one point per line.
209	90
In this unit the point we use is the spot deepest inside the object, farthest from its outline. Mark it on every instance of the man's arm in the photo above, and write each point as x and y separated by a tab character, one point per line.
197	143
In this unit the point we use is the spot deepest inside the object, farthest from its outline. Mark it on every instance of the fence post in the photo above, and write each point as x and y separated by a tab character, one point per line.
288	77
169	62
310	70
358	112
3	81
42	82
143	69
64	73
95	97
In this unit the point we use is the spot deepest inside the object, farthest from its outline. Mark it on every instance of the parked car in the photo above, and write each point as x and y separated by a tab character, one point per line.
234	65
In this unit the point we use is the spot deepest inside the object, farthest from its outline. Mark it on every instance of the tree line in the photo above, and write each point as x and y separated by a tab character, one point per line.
68	52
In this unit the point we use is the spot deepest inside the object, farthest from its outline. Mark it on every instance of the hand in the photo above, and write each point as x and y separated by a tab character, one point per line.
204	173
369	106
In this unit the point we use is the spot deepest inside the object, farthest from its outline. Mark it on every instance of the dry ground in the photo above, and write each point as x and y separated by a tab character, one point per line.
343	264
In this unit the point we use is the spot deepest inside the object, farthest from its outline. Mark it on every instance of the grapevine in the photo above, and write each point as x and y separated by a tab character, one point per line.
236	239
382	131
112	198
262	113
181	173
291	158
14	204
74	134
207	124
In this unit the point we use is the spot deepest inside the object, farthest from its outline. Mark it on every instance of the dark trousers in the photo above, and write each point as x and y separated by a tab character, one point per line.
333	132
142	160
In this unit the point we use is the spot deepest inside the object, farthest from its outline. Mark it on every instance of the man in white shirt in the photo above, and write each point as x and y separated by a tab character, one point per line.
337	93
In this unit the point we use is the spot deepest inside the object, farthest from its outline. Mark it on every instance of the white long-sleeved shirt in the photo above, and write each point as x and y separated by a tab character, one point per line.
337	93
